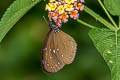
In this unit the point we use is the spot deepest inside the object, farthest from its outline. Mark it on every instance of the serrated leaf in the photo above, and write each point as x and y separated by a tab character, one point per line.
16	10
113	6
108	44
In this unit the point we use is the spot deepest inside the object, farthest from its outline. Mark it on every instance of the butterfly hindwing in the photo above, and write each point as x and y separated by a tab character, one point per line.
67	47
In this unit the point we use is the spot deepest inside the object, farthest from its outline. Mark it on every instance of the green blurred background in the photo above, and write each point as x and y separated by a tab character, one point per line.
20	51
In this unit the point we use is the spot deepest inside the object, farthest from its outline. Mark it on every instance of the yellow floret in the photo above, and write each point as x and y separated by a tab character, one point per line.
52	0
68	7
70	1
47	7
51	6
61	9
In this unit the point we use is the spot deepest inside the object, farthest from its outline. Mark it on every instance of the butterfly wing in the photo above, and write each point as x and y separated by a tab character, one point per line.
50	61
67	47
60	49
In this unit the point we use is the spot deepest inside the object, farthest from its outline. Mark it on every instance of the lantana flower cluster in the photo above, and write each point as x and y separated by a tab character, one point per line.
60	10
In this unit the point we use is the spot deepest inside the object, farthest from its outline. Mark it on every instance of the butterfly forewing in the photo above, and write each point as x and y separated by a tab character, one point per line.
50	61
60	49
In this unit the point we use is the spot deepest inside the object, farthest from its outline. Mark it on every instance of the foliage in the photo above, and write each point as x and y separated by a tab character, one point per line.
17	10
106	40
113	6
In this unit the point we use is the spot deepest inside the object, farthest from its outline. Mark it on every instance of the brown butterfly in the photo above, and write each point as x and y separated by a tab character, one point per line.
59	50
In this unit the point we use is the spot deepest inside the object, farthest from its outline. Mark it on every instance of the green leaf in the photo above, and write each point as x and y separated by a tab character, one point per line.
17	10
108	44
113	6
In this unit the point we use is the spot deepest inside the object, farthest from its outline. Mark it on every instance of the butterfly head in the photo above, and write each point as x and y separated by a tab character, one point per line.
53	27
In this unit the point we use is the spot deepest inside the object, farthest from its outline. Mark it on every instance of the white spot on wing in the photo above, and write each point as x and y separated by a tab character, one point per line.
74	53
43	62
58	62
54	51
50	57
57	49
75	45
45	49
47	64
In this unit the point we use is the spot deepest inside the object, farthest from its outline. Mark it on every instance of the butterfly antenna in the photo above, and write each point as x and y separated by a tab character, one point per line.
45	19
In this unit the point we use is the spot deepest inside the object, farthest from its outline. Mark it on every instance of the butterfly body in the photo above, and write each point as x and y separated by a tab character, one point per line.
54	28
59	50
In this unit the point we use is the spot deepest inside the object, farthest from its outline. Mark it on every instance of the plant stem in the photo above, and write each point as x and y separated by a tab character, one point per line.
99	18
86	24
119	21
111	19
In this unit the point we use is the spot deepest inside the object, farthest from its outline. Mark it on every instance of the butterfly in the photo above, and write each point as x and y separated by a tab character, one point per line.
59	50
